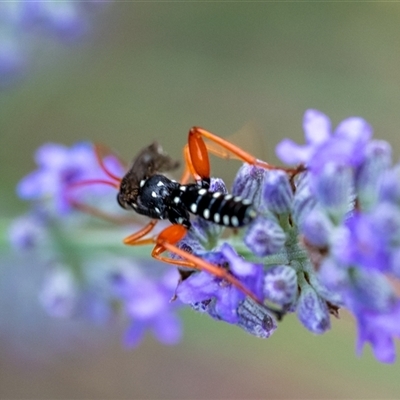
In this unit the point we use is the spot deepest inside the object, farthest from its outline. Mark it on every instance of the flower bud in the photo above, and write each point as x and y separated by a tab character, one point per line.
377	160
334	189
278	194
303	201
316	228
264	237
280	285
255	319
312	310
248	184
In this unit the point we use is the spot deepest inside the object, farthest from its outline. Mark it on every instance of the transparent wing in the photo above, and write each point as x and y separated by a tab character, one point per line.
150	161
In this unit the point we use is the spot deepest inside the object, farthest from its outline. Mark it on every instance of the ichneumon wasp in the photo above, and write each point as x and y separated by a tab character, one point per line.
147	191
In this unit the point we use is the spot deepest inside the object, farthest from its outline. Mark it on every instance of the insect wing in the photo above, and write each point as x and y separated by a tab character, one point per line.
150	161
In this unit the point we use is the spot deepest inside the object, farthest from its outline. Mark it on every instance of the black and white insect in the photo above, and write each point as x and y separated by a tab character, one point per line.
147	191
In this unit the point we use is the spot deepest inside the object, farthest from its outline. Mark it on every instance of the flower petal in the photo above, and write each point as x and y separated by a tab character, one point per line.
167	329
355	129
317	127
292	153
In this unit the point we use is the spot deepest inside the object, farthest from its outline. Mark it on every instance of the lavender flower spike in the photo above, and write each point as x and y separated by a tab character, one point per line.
325	238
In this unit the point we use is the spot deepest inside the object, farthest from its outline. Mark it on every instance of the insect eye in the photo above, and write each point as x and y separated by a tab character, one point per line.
121	202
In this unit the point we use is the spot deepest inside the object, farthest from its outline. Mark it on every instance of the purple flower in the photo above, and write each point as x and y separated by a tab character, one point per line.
388	188
312	310
24	22
304	199
59	293
66	19
377	324
148	304
264	237
333	188
248	184
325	238
255	319
222	299
370	238
379	329
278	194
371	299
280	285
12	61
26	232
58	168
317	228
346	146
377	160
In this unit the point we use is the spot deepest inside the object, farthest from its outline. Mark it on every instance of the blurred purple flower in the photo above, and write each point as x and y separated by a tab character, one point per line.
346	146
371	238
59	293
12	61
379	329
27	232
23	22
277	192
377	311
148	304
58	168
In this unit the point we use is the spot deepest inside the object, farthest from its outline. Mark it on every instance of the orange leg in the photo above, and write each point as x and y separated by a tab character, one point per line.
166	241
189	168
199	156
133	239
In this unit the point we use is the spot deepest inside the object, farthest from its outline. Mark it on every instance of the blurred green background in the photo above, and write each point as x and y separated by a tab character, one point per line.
151	71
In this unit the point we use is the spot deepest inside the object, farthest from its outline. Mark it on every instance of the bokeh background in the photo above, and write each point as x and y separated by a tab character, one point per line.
151	70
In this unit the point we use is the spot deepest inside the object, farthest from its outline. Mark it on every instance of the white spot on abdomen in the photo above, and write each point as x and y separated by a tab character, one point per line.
235	221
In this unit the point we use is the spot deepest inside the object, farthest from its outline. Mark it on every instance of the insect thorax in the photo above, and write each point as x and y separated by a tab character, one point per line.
153	196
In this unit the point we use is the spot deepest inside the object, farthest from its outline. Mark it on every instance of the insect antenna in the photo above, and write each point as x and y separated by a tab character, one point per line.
98	151
86	182
113	181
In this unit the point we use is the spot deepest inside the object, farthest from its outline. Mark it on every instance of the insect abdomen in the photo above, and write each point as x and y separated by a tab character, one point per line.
220	208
